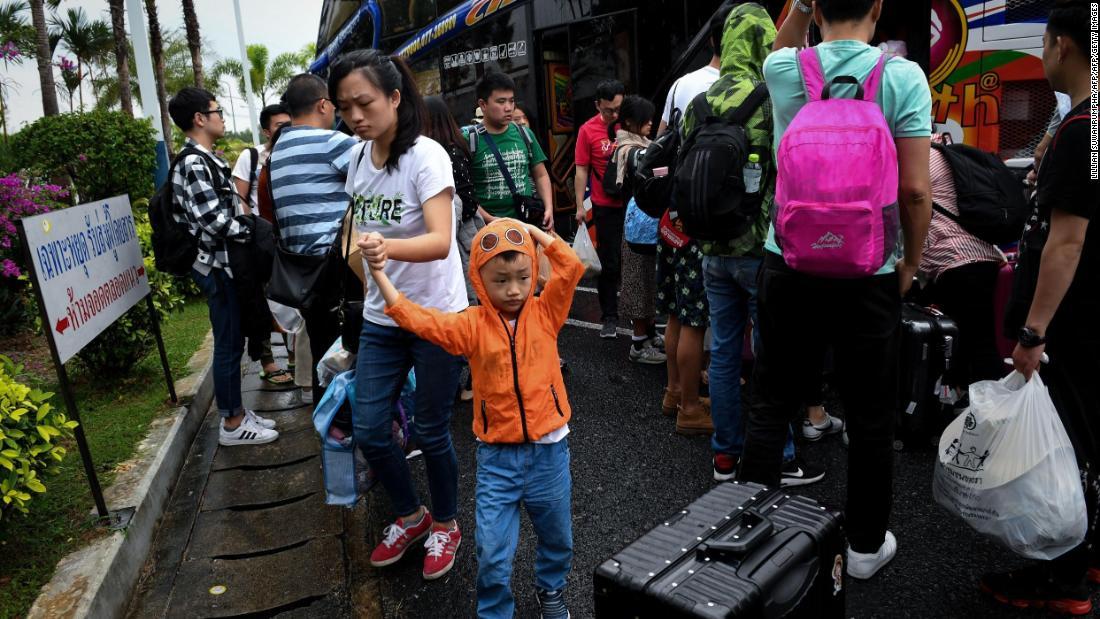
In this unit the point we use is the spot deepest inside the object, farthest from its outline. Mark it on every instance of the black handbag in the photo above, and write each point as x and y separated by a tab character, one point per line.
298	280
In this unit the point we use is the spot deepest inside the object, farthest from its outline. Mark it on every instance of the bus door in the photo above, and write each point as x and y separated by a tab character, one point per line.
573	59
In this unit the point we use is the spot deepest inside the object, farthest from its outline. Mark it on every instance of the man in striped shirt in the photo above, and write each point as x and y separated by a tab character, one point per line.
309	167
201	186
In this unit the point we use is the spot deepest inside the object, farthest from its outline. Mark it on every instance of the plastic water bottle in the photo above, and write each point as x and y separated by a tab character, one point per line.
752	173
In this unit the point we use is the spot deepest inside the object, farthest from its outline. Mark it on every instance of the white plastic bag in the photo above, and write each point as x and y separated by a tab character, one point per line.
336	361
586	251
1007	468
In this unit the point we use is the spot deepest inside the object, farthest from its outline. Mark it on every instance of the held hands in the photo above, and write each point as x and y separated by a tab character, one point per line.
581	215
373	245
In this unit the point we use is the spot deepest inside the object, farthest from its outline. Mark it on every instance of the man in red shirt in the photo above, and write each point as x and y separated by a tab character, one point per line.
595	142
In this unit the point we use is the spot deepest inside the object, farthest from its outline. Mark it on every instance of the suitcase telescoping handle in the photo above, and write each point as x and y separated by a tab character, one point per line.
759	529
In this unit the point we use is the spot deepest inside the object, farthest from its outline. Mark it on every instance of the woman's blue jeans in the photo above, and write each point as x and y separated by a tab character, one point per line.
385	356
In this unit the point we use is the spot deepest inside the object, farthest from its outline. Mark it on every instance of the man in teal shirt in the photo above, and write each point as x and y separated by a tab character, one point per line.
859	319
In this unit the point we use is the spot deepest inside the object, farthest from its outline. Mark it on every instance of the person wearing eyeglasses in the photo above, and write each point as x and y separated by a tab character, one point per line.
201	185
595	143
308	168
521	412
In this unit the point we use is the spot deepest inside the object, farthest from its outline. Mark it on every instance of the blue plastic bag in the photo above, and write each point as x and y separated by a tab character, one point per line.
338	456
639	228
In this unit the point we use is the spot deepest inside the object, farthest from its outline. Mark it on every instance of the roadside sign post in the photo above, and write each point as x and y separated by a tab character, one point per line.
87	270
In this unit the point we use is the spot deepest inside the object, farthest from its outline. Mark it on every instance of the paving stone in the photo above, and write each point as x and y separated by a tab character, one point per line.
292	420
334	605
292	446
153	592
260	584
227	532
241	488
266	401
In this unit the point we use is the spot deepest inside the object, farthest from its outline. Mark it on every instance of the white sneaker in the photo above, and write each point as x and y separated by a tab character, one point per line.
248	433
658	342
865	565
260	421
812	432
647	355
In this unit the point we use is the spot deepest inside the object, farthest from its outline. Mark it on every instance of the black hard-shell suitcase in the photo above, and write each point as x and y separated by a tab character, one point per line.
928	341
740	550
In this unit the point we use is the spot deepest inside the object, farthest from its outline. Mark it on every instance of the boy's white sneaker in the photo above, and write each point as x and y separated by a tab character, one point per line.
248	433
865	565
263	422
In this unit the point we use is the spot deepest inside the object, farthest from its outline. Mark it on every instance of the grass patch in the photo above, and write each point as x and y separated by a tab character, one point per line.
116	412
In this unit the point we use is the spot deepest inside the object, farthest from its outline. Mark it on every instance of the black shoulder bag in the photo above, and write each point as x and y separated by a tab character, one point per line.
300	280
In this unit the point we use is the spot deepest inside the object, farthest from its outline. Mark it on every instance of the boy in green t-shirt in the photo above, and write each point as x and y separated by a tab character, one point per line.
521	153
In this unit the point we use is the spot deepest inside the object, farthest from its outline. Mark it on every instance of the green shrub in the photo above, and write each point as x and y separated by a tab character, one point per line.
130	338
102	153
30	435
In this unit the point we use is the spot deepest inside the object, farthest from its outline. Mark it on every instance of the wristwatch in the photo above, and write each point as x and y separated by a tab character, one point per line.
806	8
1030	338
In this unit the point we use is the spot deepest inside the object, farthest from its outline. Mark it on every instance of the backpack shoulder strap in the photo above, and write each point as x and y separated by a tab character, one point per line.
741	114
874	81
813	76
701	108
526	136
1058	133
472	137
254	159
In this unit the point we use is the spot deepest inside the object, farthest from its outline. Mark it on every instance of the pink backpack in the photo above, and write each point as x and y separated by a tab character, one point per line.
837	188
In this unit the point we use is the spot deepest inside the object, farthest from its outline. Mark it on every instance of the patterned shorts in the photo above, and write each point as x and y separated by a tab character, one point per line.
681	292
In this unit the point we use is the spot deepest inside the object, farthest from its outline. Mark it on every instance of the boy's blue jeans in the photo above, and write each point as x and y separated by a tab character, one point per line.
225	319
731	293
385	356
539	477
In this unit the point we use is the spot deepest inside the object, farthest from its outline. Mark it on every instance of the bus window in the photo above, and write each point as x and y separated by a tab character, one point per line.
401	16
333	17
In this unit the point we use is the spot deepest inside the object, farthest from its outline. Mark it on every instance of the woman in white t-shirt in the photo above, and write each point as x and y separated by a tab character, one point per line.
402	187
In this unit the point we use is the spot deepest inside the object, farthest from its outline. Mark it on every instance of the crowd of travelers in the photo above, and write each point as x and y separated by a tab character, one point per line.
439	256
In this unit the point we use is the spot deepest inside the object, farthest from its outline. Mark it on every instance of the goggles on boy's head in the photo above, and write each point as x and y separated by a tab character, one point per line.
490	240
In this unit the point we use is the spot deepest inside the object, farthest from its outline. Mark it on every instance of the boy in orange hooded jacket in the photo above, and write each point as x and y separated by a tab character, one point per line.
521	412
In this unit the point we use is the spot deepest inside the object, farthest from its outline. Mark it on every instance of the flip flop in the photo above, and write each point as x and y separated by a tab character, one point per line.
272	376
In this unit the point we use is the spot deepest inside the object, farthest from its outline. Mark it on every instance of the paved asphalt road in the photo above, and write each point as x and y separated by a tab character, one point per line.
630	470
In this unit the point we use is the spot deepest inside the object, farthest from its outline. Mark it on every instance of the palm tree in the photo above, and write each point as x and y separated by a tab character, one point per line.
87	40
156	47
194	41
43	53
122	55
268	80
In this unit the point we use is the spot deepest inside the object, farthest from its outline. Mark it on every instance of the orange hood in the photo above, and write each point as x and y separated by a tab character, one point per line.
505	232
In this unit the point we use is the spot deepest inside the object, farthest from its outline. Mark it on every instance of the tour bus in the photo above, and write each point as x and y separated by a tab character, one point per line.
982	57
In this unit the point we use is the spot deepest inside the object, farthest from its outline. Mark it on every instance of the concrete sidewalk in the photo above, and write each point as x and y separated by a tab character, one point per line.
247	531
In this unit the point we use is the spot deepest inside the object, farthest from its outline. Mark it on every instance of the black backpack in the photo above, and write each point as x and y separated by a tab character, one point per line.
710	193
624	190
654	177
174	247
990	200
